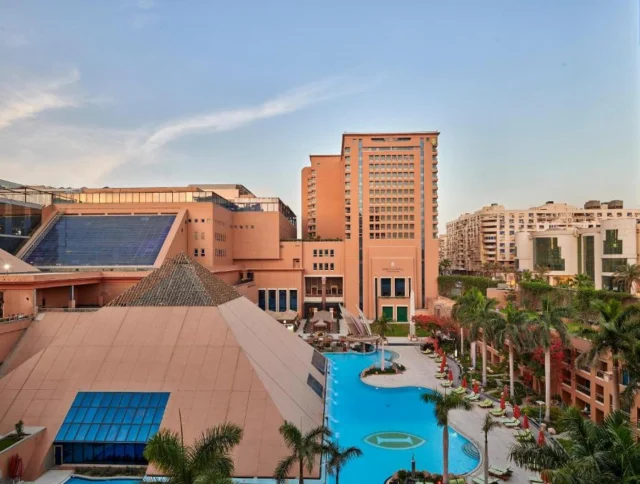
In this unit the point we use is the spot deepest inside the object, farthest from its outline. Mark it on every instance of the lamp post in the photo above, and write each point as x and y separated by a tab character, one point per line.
6	268
540	404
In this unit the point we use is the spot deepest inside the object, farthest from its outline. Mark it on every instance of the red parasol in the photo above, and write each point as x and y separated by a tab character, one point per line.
15	467
516	411
464	382
450	375
502	403
540	438
525	422
443	363
476	387
435	345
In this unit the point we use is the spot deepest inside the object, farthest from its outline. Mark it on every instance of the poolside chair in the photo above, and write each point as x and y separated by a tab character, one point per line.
480	480
432	355
446	383
459	390
427	351
472	397
535	480
505	420
523	435
496	412
440	375
486	403
500	472
438	360
512	425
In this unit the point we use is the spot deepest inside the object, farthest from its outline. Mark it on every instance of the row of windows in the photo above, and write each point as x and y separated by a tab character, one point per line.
243	227
390	184
408	200
613	265
378	218
323	266
391	235
198	234
399	287
396	313
219	237
323	252
198	251
391	166
220	252
390	157
195	220
221	223
278	299
391	226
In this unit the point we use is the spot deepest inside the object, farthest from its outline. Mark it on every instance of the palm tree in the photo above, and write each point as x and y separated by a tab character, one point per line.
548	324
525	275
581	281
444	403
511	329
338	457
305	449
465	311
487	426
486	317
628	275
445	265
618	331
542	272
607	453
383	325
207	460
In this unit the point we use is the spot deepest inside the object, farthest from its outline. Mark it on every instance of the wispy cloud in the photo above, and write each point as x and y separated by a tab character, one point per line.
28	101
226	120
15	39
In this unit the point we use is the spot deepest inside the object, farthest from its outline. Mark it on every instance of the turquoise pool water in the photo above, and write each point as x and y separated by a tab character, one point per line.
388	425
81	480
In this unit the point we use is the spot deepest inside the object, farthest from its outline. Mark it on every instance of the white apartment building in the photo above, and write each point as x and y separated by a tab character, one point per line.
597	252
489	234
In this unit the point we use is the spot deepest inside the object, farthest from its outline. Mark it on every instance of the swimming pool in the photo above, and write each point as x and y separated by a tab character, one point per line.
388	425
114	480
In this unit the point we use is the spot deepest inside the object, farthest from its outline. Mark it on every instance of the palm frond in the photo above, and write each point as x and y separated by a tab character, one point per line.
165	451
291	434
215	442
284	468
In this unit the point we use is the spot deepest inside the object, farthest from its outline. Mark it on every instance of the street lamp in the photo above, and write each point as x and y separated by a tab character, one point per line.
540	404
7	267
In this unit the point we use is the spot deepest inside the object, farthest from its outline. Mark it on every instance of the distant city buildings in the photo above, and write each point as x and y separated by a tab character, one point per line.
489	234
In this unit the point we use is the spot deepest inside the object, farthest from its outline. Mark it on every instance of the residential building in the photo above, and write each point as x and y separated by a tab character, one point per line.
443	247
597	252
384	188
489	234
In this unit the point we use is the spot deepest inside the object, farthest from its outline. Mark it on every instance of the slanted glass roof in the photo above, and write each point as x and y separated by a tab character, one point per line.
112	417
102	240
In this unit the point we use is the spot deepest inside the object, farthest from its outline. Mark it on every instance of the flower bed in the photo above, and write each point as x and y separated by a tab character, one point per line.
390	369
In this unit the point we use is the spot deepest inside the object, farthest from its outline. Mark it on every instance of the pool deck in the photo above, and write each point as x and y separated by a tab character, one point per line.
420	373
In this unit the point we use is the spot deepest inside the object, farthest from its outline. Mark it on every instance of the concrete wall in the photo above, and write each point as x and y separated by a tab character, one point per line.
9	334
26	449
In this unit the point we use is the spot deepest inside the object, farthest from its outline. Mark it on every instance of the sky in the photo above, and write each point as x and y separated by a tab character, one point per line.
535	100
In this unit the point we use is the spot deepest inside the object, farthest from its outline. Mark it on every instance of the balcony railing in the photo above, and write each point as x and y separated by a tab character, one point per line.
599	397
566	381
600	374
583	389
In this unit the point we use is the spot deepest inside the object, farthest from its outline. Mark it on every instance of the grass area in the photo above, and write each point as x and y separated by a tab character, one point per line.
8	442
574	327
399	329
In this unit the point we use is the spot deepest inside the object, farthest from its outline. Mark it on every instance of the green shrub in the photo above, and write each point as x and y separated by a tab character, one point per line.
109	471
446	284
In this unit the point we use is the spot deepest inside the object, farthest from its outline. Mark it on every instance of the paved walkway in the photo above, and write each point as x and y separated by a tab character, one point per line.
420	373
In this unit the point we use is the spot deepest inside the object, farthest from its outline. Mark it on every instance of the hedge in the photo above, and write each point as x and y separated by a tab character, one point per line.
532	293
446	284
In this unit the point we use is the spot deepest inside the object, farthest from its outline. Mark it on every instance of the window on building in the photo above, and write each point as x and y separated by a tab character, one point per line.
261	299
613	265
387	311
385	287
402	314
331	266
272	300
315	253
201	252
331	253
400	287
282	300
315	266
547	253
195	252
612	244
293	299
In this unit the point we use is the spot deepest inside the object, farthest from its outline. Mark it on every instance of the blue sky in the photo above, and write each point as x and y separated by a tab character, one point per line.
536	100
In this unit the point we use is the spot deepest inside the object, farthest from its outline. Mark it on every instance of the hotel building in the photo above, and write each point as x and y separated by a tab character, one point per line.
489	234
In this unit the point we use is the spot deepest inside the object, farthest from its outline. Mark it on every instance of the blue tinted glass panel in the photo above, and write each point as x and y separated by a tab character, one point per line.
102	240
110	417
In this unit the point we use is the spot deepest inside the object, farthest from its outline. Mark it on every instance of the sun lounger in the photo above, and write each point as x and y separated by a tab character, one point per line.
459	390
480	480
512	425
438	360
432	355
457	480
535	480
446	384
440	375
523	434
486	403
500	472
496	412
427	352
505	420
472	397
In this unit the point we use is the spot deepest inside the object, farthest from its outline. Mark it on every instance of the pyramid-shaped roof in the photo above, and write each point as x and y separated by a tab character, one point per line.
16	266
179	281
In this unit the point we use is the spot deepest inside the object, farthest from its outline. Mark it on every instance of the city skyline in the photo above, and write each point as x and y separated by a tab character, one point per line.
552	110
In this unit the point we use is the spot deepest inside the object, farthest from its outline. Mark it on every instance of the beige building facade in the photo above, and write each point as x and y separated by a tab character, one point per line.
489	234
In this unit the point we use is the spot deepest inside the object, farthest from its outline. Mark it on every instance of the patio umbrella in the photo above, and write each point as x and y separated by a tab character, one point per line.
435	345
464	382
450	375
541	438
525	422
502	403
476	387
442	365
516	411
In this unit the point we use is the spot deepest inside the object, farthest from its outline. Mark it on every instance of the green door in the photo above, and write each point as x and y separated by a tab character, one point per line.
387	311
402	313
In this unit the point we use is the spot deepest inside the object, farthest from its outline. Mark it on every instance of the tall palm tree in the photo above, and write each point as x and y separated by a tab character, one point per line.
549	324
444	403
383	325
206	460
486	317
488	424
511	329
465	311
337	458
305	449
618	331
525	275
542	272
606	453
628	275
